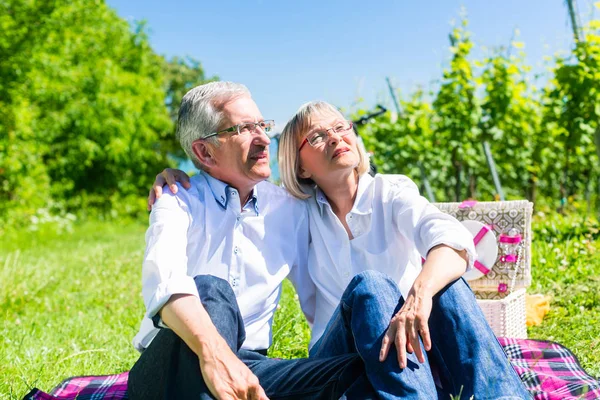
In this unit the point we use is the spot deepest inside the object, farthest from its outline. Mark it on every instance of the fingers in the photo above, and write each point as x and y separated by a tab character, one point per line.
409	348
172	176
413	339
183	178
255	391
387	341
156	190
151	199
169	176
400	342
425	336
261	395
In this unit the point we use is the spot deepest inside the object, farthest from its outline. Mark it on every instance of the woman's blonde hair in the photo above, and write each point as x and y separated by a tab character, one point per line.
288	154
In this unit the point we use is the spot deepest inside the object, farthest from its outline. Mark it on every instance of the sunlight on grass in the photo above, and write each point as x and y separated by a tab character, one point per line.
71	303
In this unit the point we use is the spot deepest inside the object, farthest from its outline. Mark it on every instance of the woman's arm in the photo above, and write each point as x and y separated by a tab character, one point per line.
443	266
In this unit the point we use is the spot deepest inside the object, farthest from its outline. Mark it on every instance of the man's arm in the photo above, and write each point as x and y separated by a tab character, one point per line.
171	293
224	374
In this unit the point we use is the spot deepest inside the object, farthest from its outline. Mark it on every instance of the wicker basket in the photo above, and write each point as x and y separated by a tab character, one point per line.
505	218
506	316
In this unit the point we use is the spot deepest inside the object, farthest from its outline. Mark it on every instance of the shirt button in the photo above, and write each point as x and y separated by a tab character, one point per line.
233	193
346	275
238	218
236	250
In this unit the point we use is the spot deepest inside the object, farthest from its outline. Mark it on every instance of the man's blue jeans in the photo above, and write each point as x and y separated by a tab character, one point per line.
468	357
168	369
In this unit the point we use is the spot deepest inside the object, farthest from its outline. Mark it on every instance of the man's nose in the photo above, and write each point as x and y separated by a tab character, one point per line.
261	138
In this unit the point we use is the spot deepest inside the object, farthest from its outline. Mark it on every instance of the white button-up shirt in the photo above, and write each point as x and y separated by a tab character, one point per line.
393	227
203	230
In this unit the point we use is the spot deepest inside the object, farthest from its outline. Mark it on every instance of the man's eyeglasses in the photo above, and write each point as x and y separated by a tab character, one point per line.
316	138
246	128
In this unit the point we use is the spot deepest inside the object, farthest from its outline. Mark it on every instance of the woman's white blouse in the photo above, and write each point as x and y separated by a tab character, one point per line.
393	227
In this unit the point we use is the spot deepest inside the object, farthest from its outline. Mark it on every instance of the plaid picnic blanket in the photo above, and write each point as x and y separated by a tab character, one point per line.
549	370
101	387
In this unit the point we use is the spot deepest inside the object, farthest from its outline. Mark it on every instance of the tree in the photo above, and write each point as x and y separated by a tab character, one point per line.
86	107
457	114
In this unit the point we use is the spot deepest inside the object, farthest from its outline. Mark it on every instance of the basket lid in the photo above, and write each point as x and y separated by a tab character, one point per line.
485	246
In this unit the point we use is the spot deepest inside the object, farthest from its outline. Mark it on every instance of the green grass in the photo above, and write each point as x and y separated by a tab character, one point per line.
71	302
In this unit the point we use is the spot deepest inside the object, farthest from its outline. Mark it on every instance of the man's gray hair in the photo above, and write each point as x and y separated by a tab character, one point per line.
200	113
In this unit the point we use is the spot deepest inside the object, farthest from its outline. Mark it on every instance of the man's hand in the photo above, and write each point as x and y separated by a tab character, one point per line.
227	377
167	177
406	327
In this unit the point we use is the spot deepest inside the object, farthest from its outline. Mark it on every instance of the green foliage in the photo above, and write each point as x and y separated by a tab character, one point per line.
573	109
86	108
182	74
456	113
542	140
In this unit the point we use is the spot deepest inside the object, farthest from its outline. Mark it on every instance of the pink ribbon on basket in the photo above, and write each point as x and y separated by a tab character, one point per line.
510	239
511	258
467	204
482	268
486	228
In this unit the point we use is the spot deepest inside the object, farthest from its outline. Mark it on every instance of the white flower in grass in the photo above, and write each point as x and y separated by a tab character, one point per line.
542	260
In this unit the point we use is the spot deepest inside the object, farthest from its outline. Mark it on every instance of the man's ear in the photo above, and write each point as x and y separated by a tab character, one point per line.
204	152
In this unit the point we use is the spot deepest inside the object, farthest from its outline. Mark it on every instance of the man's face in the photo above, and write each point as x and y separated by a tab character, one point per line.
242	160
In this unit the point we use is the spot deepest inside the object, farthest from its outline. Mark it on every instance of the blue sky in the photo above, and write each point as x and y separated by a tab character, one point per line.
291	52
288	52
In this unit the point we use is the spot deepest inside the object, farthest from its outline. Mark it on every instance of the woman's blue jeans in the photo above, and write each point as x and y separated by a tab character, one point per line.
465	352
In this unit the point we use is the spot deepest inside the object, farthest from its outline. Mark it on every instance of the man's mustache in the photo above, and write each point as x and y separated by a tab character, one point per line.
261	151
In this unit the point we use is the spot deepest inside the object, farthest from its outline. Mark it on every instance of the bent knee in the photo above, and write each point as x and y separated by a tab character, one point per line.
212	285
373	281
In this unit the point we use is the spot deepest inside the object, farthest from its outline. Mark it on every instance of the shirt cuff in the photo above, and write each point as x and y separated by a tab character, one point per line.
164	291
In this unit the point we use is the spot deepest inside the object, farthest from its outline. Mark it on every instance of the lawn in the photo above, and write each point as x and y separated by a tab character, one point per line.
71	302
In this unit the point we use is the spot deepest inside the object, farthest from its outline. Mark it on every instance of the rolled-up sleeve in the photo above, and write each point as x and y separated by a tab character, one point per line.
164	270
425	224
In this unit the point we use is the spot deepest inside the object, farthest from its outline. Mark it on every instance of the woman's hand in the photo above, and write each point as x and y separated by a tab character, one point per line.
167	177
443	266
406	327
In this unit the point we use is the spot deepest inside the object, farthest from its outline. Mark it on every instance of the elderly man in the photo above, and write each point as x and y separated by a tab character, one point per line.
215	259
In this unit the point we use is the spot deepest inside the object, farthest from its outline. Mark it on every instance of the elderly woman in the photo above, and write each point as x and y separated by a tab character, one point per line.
374	296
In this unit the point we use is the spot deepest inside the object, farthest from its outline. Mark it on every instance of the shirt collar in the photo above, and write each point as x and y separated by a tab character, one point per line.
221	192
362	203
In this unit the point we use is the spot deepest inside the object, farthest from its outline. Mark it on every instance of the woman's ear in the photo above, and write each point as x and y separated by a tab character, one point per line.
304	174
204	152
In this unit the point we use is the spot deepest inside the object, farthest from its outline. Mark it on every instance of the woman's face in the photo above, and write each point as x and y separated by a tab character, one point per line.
332	152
